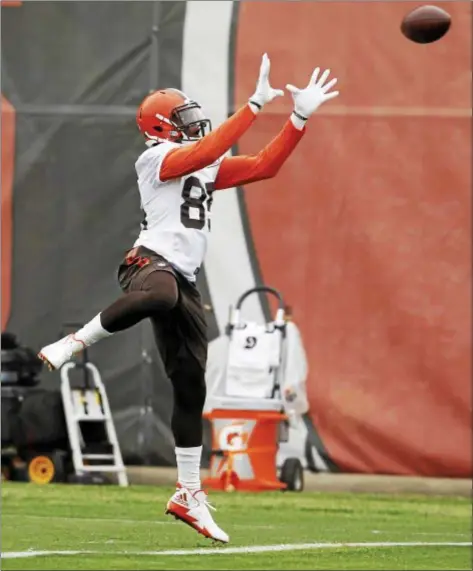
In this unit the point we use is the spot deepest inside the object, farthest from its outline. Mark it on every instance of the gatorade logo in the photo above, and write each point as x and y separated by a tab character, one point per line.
234	438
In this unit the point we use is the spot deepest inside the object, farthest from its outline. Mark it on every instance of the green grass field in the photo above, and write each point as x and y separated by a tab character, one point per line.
113	528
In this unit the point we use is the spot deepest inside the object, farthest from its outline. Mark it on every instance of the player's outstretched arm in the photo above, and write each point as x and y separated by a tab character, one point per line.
236	171
190	158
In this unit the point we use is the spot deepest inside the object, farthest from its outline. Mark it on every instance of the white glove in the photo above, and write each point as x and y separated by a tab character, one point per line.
264	92
307	100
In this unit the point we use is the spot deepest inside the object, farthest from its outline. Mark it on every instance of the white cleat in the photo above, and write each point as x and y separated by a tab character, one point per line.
56	354
193	509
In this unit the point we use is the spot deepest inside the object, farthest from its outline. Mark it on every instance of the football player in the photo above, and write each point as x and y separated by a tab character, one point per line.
177	176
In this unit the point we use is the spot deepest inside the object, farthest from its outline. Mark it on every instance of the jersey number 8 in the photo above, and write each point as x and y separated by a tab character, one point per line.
200	205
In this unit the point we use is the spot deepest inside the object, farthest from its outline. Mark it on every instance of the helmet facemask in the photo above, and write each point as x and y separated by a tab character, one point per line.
190	121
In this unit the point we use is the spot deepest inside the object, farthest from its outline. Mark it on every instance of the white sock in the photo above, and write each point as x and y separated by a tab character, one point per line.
188	467
92	332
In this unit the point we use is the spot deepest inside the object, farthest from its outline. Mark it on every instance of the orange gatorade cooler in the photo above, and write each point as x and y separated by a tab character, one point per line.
244	449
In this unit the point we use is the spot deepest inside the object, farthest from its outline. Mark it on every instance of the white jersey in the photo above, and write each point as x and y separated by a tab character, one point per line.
177	212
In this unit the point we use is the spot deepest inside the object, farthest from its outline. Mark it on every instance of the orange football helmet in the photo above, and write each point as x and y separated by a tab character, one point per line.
169	115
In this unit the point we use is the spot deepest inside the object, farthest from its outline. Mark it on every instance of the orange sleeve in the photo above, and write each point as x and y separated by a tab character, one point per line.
236	171
195	156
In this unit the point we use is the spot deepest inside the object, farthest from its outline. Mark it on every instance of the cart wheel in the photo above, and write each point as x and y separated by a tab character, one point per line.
46	468
292	474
